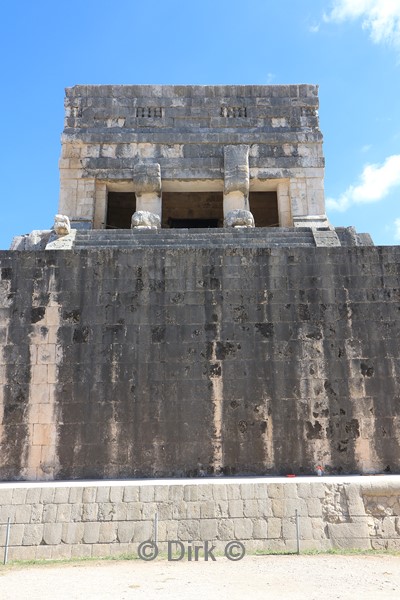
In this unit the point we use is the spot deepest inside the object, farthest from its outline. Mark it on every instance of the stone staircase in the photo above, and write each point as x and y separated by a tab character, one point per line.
262	237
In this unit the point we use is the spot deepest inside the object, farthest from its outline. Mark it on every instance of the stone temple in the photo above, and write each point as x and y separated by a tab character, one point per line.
193	312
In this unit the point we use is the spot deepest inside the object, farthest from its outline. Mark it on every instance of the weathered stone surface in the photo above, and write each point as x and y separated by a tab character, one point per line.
147	178
61	242
36	240
349	535
126	331
239	218
192	134
33	535
61	225
143	219
107	532
91	533
52	533
125	532
236	169
376	525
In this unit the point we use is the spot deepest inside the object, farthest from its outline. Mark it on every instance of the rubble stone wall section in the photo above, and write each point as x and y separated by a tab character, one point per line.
63	520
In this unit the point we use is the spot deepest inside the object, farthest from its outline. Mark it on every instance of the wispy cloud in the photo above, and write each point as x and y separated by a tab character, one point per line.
375	183
366	148
314	28
397	230
380	17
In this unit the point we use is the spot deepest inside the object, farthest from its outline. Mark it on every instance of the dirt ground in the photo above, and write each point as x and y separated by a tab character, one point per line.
299	577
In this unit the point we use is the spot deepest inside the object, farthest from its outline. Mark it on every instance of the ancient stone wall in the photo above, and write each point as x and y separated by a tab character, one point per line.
160	362
191	131
67	520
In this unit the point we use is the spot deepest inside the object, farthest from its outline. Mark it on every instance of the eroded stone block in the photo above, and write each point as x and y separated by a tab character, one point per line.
143	219
239	218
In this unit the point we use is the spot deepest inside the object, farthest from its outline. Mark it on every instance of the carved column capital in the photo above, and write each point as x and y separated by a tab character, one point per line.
236	169
147	178
147	182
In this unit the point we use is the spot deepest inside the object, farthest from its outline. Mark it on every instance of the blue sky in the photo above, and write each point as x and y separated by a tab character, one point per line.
351	48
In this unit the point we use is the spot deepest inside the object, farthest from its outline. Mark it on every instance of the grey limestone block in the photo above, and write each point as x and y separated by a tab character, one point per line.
72	533
243	529
52	533
33	535
125	531
189	530
208	529
108	532
91	533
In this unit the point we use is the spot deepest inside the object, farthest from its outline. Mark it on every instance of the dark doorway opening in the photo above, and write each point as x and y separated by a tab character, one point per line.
120	208
192	209
264	206
192	223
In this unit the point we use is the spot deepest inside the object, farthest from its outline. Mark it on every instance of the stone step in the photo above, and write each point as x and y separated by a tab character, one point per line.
144	238
217	239
177	232
194	236
261	231
257	237
195	244
150	239
183	240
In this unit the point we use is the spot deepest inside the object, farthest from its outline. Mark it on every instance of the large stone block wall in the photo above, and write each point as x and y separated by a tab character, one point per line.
64	520
160	362
110	129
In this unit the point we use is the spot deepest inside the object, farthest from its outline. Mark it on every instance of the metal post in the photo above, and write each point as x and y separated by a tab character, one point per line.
297	531
7	541
156	528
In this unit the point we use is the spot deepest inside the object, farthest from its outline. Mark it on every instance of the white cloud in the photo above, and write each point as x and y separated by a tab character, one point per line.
375	183
380	17
314	28
366	147
397	230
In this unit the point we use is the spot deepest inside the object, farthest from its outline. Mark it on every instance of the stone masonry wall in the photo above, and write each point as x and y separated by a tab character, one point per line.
64	520
109	129
160	362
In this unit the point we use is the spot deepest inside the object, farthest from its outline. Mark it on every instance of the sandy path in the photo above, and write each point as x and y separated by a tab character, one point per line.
283	577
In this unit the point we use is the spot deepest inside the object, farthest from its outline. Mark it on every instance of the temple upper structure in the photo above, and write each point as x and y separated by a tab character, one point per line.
158	157
191	154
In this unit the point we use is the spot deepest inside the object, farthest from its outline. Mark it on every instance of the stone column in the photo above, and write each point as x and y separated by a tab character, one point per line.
298	196
147	184
236	178
284	207
100	207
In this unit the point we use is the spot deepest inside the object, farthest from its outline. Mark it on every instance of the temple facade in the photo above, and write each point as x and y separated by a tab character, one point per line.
192	154
192	311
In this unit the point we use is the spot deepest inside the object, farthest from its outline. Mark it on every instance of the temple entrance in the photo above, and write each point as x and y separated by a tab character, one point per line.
192	209
264	206
120	208
187	210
